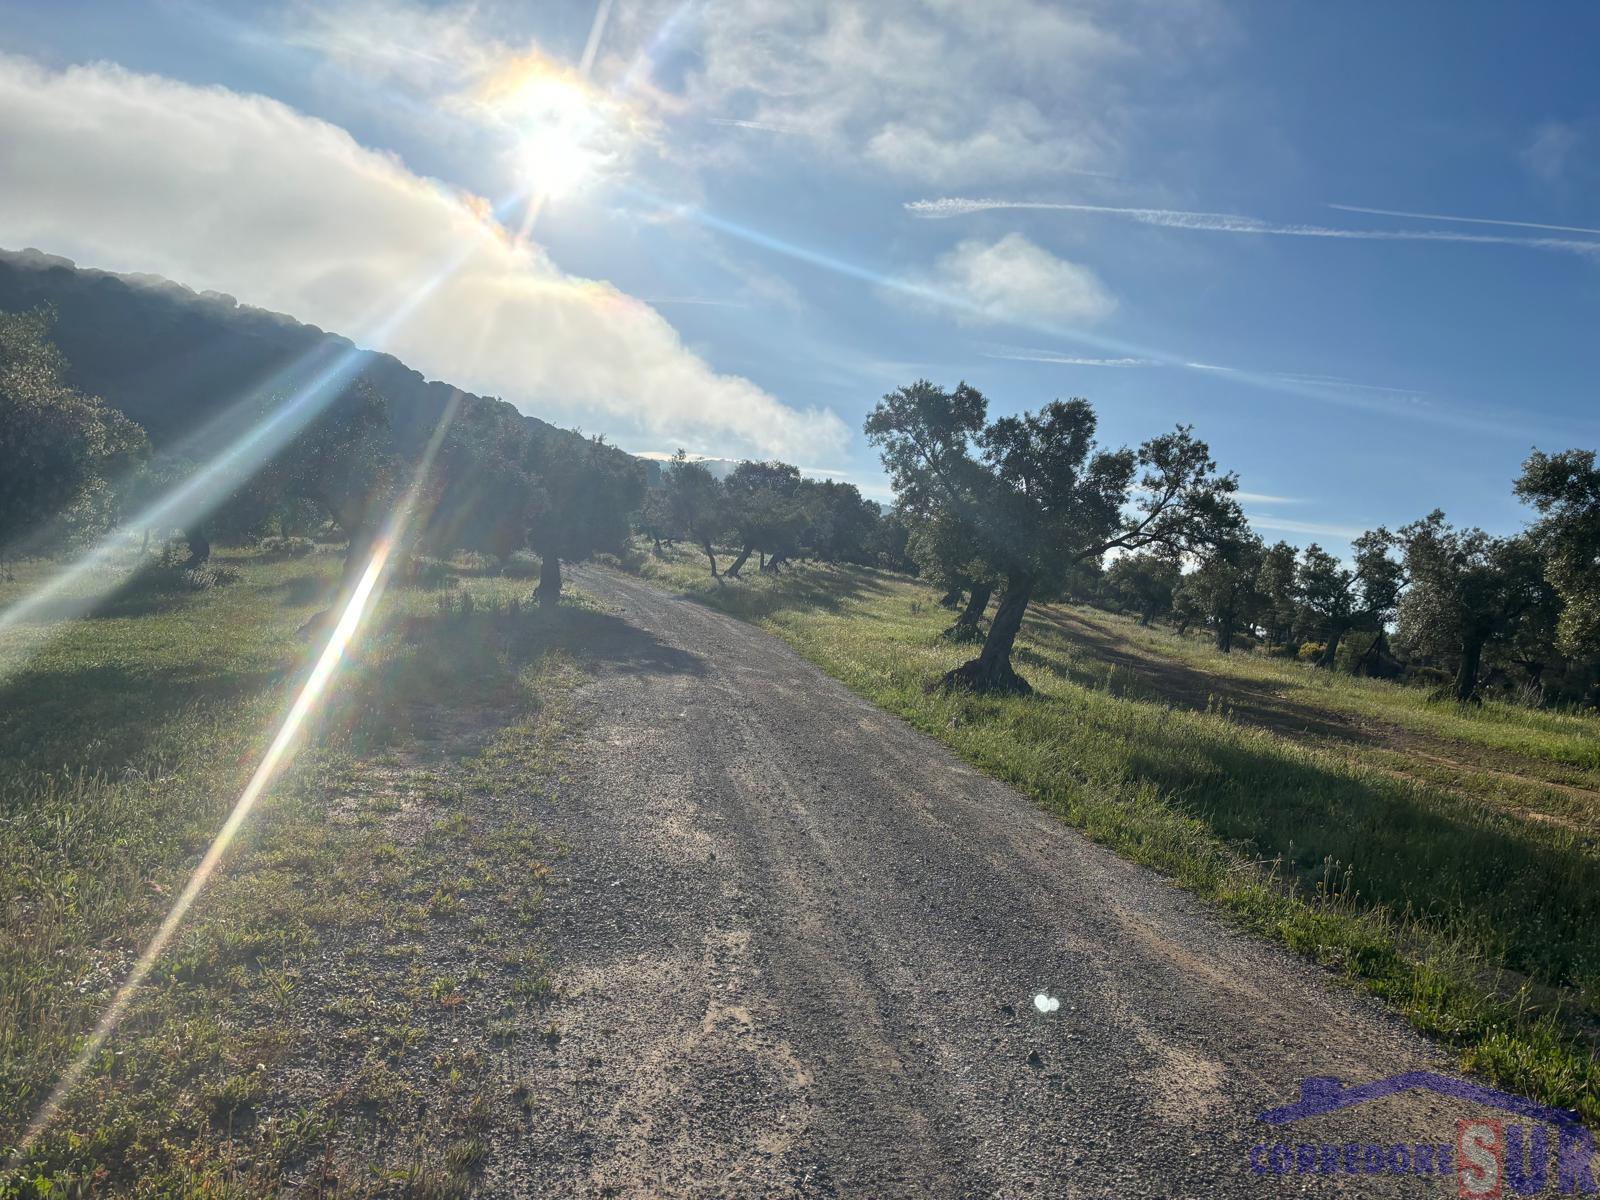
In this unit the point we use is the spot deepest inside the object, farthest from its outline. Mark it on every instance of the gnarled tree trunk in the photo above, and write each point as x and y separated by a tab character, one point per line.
738	563
951	599
712	555
1466	685
1224	633
967	627
1325	659
199	549
991	671
548	592
1372	660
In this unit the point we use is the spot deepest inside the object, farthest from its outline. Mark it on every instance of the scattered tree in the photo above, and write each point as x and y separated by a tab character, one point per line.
64	453
764	510
1144	583
1041	497
1338	599
1565	489
586	498
694	505
1467	592
1223	589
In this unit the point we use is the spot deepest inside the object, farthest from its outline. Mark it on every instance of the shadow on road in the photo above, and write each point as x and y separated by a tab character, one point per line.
604	638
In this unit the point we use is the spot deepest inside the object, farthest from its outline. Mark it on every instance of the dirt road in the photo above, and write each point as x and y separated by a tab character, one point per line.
798	946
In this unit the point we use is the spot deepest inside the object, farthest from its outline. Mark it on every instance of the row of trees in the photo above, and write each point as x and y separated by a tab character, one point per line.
767	509
1025	507
1428	596
1029	507
498	483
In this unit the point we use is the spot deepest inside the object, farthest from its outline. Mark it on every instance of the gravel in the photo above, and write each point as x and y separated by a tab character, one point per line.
798	947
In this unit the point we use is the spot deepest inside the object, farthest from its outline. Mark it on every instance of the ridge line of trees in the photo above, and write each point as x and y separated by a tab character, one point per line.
76	468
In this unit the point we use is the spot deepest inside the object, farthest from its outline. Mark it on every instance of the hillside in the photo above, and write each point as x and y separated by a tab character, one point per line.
171	358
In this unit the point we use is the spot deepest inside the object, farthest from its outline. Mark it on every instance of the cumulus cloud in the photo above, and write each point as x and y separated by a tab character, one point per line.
1013	280
245	195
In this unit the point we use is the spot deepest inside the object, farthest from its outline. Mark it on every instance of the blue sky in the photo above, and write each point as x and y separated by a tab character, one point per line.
738	245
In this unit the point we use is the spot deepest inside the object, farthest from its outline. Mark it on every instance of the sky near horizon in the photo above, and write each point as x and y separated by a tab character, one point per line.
1356	246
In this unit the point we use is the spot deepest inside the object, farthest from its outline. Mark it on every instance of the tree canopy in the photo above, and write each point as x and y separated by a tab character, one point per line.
1041	497
65	453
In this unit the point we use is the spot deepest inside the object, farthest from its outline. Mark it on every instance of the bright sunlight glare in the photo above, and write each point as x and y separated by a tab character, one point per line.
278	755
560	134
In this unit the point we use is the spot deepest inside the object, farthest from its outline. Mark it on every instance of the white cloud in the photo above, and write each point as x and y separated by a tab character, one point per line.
1550	151
942	91
1013	280
935	90
245	195
1314	528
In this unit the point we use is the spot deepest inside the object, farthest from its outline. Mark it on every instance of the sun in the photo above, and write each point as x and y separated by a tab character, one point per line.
560	134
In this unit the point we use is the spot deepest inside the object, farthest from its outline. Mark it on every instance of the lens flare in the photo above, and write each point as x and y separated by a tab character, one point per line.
278	754
312	381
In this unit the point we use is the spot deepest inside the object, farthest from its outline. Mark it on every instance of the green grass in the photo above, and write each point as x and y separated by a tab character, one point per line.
390	848
1481	925
1563	738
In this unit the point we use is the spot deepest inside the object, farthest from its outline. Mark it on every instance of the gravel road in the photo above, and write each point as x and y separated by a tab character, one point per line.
797	950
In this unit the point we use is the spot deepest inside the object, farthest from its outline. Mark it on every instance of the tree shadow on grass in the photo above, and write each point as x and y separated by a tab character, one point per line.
301	590
1530	896
104	717
453	680
1138	677
129	599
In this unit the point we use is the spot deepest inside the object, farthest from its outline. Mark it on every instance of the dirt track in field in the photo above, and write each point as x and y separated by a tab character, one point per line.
797	948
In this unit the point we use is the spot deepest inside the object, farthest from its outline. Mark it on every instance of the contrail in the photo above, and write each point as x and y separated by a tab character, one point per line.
1321	391
1396	212
596	31
1171	218
1068	360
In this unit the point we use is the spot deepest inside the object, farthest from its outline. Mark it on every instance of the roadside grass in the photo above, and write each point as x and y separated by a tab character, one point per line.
338	1011
1481	926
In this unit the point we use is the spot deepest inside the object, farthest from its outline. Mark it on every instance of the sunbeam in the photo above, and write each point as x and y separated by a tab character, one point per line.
278	754
317	378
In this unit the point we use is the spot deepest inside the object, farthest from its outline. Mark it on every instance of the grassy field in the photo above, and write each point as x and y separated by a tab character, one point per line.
339	1010
1443	858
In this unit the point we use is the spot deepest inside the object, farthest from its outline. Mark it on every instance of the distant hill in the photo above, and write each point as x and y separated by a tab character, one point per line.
171	358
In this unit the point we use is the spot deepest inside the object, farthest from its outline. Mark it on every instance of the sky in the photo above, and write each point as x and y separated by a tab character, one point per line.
1357	247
